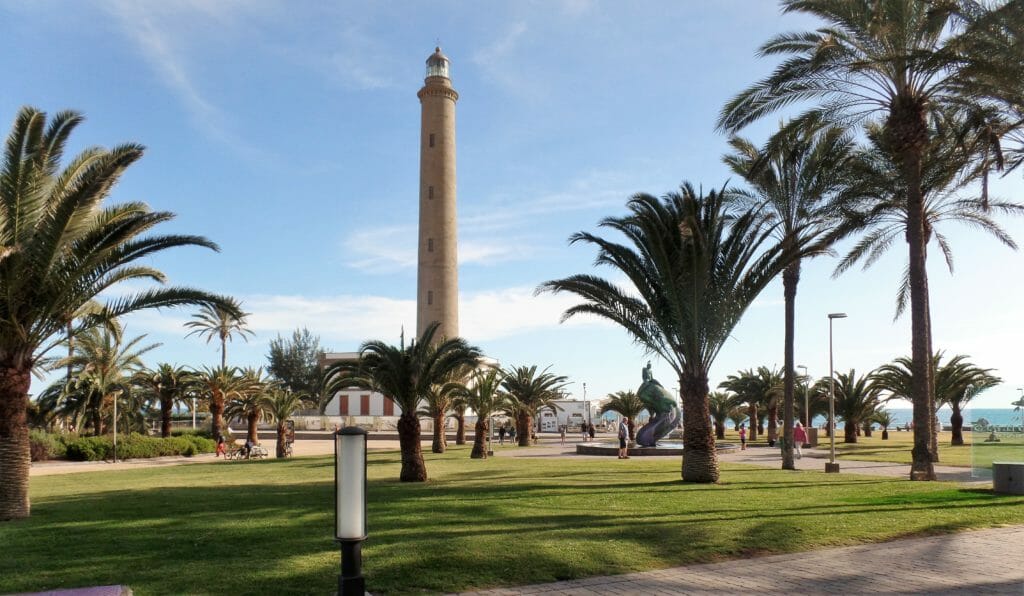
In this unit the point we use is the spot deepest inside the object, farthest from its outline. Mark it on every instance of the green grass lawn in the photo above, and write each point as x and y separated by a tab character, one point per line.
897	449
265	527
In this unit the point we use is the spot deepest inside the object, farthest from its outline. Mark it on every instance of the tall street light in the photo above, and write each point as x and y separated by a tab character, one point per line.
807	404
832	467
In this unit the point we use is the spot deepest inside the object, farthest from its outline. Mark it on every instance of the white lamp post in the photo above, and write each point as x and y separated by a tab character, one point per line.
115	425
350	506
832	467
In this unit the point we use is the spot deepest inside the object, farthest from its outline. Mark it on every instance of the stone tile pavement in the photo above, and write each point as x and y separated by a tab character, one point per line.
967	563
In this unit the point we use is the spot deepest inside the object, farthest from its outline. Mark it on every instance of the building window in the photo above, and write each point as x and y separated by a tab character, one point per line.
430	297
430	192
431	139
430	245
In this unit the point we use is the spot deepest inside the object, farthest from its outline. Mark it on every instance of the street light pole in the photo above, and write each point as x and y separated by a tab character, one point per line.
832	467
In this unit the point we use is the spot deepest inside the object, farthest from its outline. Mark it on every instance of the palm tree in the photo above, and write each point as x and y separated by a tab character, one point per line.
626	404
248	403
857	400
437	402
762	387
458	412
894	59
694	269
531	391
958	382
484	396
218	385
165	385
797	179
278	405
884	419
56	216
104	364
404	375
223	321
737	415
720	404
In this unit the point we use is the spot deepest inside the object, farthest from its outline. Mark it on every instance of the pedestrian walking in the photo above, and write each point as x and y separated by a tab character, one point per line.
583	431
561	431
743	437
501	434
591	430
220	446
799	438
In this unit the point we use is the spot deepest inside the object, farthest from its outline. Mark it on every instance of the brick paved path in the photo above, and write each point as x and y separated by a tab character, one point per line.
977	562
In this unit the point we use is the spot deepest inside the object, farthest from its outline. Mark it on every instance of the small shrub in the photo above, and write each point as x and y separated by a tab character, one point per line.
136	446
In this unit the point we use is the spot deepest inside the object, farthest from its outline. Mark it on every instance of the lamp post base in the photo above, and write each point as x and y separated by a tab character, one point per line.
350	581
831	468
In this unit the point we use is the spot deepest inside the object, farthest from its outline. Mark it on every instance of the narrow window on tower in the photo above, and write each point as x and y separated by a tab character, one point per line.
431	139
430	192
430	245
430	297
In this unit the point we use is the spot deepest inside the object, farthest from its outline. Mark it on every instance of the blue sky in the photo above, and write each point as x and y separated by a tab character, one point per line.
288	133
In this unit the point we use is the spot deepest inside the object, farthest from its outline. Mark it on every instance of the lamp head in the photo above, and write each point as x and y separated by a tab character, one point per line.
837	315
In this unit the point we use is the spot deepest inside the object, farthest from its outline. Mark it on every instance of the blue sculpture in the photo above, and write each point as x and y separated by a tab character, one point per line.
661	405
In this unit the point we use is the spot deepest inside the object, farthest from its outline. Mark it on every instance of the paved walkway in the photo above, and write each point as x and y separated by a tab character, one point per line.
978	562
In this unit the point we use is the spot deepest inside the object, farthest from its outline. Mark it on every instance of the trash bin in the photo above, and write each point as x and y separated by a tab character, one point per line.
812	436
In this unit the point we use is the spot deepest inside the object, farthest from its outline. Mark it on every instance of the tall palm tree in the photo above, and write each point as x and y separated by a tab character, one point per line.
166	385
896	60
720	404
626	404
56	216
223	321
404	375
694	269
484	396
218	385
799	179
248	403
531	391
279	405
857	400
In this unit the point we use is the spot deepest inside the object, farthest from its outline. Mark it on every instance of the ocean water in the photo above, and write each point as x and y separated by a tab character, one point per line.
995	416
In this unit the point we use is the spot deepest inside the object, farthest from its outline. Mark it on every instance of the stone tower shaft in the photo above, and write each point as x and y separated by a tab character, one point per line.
437	283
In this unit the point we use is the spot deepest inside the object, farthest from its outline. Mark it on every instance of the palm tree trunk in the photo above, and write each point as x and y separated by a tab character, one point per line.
700	460
790	278
438	444
479	440
867	429
71	349
752	414
251	433
911	132
166	404
413	468
850	432
773	422
720	430
15	459
957	420
223	351
524	429
931	378
281	435
460	429
216	415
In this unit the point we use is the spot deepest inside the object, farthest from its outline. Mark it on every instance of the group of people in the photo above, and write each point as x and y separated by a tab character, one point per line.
587	430
506	429
799	438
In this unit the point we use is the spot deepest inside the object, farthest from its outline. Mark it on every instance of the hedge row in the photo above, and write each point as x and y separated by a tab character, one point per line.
47	446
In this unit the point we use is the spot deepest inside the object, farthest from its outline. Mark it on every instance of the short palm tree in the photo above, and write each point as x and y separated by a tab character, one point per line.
404	375
957	382
278	406
248	403
626	404
857	399
221	321
437	403
217	386
799	179
531	391
720	405
884	419
166	385
899	62
484	396
693	269
56	216
758	388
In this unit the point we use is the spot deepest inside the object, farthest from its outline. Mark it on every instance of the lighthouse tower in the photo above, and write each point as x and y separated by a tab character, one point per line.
437	283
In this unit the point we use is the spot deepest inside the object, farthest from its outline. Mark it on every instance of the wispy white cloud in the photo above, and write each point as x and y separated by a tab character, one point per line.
495	61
